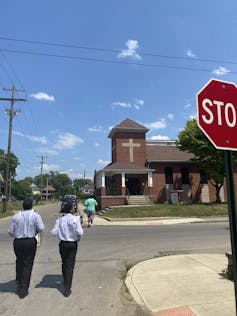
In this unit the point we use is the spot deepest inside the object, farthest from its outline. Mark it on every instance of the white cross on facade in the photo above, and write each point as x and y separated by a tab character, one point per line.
130	144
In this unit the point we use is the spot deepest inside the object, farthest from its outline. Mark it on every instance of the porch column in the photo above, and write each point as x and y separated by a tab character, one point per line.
123	186
103	191
150	182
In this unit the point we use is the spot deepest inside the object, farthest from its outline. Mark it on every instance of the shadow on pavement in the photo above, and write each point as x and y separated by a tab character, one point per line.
8	287
53	281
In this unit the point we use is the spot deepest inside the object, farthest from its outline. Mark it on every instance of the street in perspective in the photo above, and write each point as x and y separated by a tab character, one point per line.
111	254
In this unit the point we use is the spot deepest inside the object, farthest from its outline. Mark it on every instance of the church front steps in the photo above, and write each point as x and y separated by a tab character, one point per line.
138	200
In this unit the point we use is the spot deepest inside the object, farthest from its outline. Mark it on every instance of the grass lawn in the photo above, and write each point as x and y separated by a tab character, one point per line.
11	207
169	210
17	205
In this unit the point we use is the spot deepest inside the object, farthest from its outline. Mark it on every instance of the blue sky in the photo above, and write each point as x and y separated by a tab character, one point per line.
138	59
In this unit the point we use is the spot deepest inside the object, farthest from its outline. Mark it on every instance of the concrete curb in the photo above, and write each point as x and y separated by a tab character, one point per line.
210	219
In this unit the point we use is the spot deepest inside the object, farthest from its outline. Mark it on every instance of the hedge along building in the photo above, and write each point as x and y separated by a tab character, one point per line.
144	171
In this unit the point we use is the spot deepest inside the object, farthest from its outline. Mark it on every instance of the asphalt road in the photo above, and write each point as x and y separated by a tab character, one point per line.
103	253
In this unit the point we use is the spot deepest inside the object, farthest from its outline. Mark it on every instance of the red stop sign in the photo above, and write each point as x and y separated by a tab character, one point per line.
217	113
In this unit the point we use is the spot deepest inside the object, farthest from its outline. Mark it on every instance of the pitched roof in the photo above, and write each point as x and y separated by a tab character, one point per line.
49	188
128	125
166	153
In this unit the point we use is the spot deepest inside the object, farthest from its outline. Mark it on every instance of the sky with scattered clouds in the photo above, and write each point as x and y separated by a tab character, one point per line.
87	66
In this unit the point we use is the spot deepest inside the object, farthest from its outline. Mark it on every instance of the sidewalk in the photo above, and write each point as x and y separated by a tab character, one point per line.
184	285
156	221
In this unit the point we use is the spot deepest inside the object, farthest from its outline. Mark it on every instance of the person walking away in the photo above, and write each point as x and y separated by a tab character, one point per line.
23	227
90	204
68	229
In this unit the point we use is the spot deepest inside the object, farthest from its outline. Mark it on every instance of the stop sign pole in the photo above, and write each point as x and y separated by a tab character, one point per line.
217	118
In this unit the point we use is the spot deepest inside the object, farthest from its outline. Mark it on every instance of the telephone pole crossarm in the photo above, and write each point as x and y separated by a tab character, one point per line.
10	99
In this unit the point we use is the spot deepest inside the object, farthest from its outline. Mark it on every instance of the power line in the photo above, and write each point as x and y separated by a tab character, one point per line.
13	72
110	61
117	51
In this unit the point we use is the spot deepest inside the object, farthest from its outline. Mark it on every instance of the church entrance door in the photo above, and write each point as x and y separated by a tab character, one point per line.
134	186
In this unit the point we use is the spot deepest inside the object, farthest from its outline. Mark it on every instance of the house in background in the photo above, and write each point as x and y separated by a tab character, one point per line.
48	193
144	171
35	190
86	189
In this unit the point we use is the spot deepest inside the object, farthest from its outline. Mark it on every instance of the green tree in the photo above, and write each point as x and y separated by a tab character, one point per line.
211	160
21	189
60	181
37	180
13	163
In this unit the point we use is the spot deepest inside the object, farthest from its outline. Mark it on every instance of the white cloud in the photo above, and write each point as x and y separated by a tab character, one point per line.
103	162
221	71
159	137
188	105
45	150
97	129
132	46
137	104
122	104
192	116
48	167
156	125
43	96
96	144
67	141
39	139
171	116
190	53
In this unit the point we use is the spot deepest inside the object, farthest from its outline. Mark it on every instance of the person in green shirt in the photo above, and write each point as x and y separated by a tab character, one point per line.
90	204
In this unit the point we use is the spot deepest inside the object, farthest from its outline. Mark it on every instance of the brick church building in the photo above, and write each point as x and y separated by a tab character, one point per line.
146	171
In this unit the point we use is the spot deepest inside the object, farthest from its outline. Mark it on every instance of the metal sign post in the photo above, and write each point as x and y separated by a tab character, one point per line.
232	214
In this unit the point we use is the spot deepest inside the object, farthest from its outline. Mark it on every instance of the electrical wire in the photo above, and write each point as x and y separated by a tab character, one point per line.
109	61
118	51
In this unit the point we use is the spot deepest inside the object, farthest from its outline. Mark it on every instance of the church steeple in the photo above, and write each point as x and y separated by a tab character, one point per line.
128	142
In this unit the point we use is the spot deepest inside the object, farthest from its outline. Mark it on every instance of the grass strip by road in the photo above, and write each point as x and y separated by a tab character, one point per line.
169	210
13	206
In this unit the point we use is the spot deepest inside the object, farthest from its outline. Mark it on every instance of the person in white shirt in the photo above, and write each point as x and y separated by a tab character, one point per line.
23	227
68	229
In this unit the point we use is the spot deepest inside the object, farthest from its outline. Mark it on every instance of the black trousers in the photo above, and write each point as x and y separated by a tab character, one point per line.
25	250
68	251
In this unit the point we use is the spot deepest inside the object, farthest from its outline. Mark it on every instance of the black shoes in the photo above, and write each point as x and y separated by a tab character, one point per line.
22	294
67	293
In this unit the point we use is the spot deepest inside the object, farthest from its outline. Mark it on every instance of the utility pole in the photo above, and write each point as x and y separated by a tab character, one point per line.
47	191
41	174
11	112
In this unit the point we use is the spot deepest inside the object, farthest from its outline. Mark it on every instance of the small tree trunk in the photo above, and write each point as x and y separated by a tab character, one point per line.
218	189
